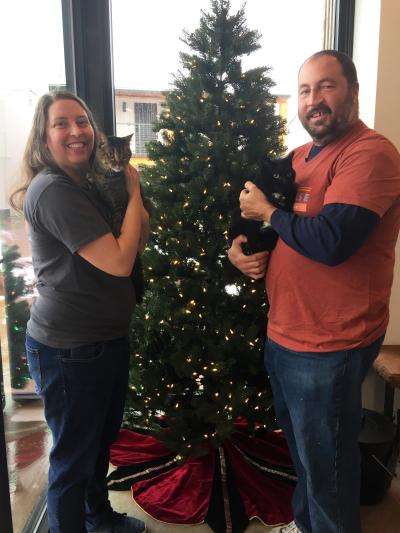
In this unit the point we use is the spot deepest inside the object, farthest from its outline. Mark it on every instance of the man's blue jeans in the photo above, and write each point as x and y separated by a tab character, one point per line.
317	399
83	390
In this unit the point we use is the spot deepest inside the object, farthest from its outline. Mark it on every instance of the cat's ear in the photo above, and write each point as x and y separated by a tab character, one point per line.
266	164
289	157
101	139
128	137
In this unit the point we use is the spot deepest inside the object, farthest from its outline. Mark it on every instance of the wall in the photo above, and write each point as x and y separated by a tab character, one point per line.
387	116
377	57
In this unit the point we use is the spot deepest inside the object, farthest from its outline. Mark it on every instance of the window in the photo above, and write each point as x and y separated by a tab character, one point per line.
32	62
145	115
280	22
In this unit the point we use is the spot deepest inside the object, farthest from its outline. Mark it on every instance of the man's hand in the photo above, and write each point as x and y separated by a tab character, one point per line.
254	265
254	204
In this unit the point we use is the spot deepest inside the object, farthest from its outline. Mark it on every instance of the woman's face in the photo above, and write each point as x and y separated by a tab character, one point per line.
69	137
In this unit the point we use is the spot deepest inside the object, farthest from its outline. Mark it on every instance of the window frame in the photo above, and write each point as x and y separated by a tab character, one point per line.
5	501
339	25
88	57
344	26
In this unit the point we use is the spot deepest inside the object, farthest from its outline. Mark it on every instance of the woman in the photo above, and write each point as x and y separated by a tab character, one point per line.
76	343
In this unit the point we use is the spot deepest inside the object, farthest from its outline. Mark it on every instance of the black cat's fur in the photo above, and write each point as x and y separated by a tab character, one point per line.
108	187
276	180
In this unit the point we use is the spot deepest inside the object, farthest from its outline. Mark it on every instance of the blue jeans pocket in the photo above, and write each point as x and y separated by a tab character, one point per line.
35	370
83	367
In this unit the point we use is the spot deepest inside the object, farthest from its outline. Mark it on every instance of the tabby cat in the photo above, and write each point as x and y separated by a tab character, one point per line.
107	186
276	179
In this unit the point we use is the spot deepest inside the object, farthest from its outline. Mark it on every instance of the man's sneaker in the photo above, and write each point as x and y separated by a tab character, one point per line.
290	528
118	523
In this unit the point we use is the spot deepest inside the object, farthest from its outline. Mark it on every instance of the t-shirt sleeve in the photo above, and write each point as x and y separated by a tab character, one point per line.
367	175
64	211
331	237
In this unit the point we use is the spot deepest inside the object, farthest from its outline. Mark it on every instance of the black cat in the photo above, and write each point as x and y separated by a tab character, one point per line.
107	186
276	180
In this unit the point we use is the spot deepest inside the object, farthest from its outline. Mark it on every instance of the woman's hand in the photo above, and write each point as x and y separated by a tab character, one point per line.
254	204
133	186
254	265
145	231
132	179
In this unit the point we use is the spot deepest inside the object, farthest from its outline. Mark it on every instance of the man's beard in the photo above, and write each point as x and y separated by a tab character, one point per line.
338	124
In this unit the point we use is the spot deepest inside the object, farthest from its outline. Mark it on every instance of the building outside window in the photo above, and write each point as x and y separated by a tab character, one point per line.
136	112
145	116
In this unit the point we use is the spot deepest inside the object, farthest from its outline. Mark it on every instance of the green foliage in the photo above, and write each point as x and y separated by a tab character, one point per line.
198	336
17	315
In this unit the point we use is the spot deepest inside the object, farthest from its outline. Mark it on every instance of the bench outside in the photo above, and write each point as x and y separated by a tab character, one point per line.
387	364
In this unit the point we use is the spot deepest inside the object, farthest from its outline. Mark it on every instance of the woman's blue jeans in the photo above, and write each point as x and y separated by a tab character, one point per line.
317	400
83	390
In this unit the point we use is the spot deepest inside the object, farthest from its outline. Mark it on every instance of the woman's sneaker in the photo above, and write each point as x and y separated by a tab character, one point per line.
290	528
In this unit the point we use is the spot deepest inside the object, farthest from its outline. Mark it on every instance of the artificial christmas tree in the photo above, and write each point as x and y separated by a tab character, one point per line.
197	338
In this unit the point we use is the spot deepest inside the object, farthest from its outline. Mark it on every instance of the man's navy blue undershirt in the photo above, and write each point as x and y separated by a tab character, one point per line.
332	236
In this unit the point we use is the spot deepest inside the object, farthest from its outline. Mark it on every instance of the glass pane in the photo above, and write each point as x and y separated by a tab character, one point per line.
32	60
146	58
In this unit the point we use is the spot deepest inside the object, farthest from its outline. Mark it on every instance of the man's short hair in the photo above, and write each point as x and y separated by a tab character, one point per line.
348	67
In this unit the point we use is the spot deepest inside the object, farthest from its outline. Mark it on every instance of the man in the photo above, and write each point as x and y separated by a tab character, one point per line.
328	282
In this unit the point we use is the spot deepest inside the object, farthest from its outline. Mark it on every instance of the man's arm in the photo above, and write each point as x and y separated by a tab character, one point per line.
330	238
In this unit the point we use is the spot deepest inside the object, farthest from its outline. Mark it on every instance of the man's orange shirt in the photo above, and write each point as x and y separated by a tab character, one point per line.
320	308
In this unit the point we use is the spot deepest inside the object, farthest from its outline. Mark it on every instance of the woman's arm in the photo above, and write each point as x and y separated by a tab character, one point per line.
116	256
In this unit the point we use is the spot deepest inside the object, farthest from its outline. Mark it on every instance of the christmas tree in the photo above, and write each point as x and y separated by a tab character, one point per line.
17	315
198	336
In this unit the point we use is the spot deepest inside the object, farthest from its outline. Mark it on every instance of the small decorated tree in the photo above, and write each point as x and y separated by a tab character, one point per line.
17	315
198	336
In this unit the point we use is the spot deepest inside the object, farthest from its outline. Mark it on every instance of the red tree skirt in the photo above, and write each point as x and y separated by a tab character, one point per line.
247	477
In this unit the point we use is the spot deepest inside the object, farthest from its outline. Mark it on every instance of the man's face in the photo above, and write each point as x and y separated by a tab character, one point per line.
327	104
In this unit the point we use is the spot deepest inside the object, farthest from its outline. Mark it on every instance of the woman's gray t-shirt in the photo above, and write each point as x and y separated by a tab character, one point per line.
77	302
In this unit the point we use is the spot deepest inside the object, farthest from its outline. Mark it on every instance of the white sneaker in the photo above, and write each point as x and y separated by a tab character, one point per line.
290	528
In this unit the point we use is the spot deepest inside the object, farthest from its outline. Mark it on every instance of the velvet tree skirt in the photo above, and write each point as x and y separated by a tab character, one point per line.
248	477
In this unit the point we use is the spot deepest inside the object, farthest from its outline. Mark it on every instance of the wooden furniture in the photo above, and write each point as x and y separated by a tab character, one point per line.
387	364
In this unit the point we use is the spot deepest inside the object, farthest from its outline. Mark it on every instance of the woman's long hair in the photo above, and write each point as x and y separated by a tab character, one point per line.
36	155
